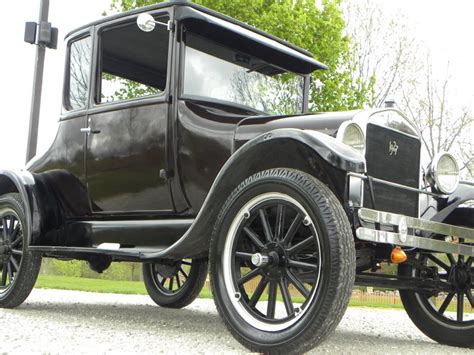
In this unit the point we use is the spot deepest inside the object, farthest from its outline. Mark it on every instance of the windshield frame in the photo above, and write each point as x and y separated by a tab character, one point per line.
181	64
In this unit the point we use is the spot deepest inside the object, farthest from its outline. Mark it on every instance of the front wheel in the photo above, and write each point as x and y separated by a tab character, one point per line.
445	317
282	262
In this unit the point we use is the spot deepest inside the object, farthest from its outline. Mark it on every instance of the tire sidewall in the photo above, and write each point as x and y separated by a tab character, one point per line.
265	184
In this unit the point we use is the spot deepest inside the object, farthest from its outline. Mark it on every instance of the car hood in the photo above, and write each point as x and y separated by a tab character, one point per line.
327	123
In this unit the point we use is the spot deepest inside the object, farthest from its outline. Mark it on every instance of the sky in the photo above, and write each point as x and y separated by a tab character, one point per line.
445	27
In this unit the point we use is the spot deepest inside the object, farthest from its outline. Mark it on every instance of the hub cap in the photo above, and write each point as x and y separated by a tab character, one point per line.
272	262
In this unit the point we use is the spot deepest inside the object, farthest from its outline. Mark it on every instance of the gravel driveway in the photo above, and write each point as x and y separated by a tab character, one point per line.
53	321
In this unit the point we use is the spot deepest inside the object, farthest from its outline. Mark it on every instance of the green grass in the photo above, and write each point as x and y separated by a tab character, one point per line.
138	288
134	288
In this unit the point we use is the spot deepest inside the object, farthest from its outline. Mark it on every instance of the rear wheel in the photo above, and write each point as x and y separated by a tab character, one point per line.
19	268
447	317
282	262
175	284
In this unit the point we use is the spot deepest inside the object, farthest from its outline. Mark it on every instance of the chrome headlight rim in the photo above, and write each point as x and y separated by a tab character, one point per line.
342	131
434	173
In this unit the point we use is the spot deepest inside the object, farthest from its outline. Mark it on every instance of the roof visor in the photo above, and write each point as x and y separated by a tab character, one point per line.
273	51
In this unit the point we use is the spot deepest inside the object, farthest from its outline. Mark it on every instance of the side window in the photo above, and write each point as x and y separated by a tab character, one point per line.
132	63
78	76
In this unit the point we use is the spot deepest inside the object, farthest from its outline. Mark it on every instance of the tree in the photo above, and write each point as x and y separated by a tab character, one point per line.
383	52
317	28
387	58
443	128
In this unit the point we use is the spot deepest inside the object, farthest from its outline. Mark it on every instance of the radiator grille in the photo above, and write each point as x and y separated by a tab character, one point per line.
394	157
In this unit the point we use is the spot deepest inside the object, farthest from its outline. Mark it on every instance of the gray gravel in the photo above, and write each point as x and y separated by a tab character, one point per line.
53	321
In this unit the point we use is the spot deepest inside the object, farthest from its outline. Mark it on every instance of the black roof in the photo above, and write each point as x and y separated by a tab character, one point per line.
203	13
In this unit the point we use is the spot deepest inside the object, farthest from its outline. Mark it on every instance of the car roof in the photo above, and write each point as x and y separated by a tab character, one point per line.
219	16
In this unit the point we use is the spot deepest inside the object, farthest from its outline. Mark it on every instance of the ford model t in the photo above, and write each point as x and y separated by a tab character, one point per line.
185	139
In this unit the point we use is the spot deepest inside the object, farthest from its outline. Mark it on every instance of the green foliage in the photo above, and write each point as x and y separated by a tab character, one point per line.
318	28
78	268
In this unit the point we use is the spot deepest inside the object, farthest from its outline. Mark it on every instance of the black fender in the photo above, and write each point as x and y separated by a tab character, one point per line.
449	210
315	153
23	182
49	198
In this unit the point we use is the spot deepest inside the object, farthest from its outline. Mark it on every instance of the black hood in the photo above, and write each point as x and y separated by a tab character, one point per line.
327	123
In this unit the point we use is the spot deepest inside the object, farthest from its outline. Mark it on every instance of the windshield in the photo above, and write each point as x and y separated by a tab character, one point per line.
218	72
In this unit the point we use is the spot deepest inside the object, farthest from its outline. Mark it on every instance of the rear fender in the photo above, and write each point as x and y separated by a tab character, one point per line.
23	182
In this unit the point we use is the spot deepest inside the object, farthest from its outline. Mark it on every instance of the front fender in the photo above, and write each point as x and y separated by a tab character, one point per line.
309	151
464	193
334	152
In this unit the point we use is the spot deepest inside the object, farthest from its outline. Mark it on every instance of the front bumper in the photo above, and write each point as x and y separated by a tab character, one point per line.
395	229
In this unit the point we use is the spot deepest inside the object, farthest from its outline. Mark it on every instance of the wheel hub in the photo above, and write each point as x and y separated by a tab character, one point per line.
168	270
272	260
462	277
5	251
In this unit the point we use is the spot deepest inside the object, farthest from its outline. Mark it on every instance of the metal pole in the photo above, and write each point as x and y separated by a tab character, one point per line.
37	86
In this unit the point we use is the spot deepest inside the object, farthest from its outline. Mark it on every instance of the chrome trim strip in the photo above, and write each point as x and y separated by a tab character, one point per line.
394	184
378	236
373	216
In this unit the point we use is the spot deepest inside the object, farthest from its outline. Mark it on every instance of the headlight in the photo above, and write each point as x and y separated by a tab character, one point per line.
444	173
353	136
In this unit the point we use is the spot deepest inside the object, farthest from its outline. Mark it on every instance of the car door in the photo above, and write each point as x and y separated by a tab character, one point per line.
127	125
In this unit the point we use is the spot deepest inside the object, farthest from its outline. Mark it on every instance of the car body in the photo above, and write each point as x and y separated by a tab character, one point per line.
144	178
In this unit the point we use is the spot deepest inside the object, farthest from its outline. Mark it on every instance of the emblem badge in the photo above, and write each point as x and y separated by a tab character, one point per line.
393	148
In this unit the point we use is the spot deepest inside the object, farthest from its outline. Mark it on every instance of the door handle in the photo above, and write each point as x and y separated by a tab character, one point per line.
88	130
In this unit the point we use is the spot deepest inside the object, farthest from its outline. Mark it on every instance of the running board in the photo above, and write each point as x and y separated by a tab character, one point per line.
123	254
404	224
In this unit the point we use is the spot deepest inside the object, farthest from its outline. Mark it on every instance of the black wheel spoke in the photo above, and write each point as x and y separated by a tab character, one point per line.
302	265
286	296
470	297
184	262
272	298
298	284
4	274
253	237
178	282
243	255
301	245
258	292
170	286
184	274
265	224
446	303
5	228
16	241
460	310
295	225
163	280
439	262
14	264
9	272
11	226
280	222
249	276
451	259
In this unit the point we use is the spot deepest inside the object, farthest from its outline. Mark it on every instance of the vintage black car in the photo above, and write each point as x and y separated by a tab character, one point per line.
185	138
